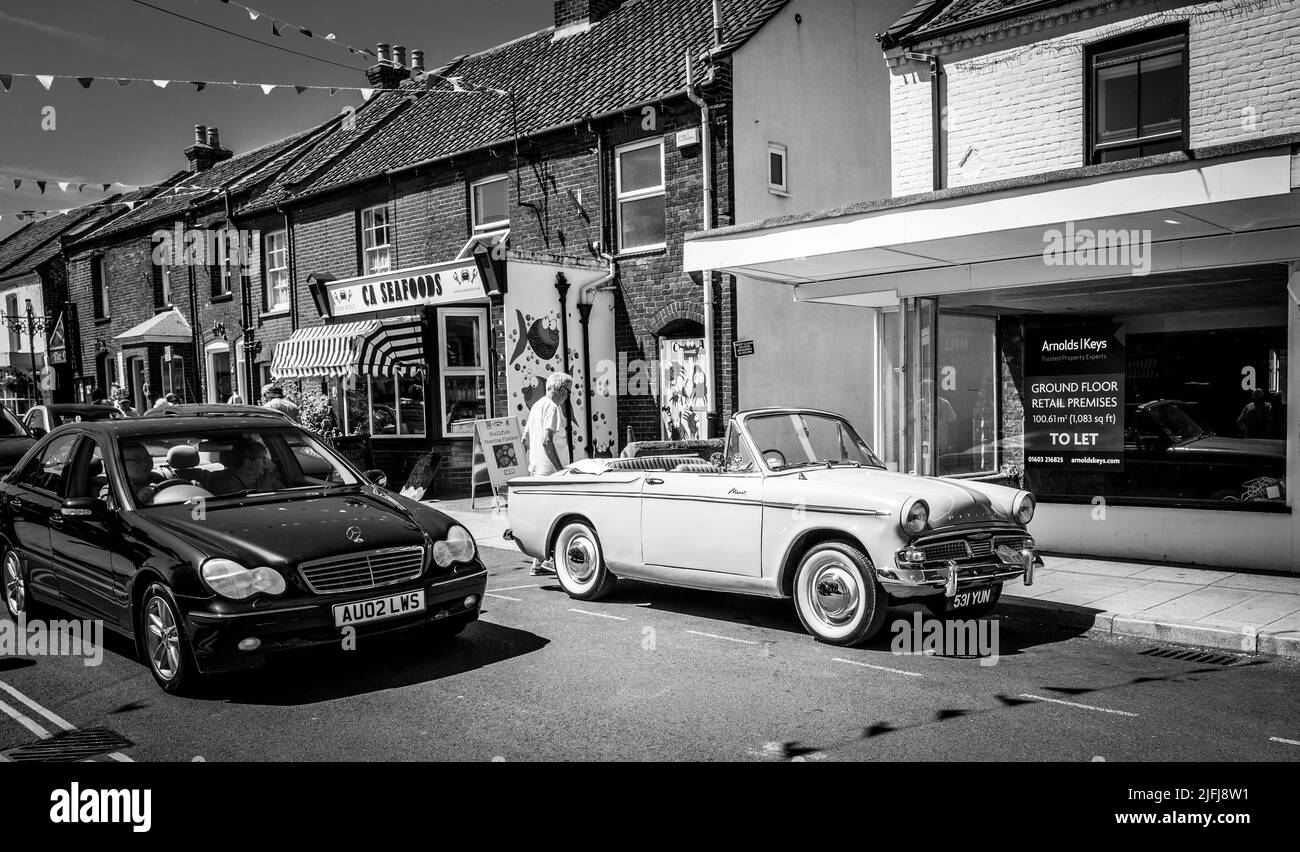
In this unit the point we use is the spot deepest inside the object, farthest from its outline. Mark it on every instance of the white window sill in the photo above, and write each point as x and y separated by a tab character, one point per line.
275	312
784	193
640	251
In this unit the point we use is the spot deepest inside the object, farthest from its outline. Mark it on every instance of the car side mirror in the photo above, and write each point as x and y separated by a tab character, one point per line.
88	508
36	431
377	477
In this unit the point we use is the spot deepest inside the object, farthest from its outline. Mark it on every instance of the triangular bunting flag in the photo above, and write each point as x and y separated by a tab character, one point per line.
105	186
46	80
198	85
267	88
6	81
63	186
18	183
305	31
275	27
300	89
253	14
40	184
130	205
123	83
162	84
65	211
366	93
85	81
329	37
81	187
333	91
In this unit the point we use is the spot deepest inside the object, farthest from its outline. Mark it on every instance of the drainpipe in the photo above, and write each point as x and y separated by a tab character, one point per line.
247	332
706	145
586	298
562	287
196	331
939	157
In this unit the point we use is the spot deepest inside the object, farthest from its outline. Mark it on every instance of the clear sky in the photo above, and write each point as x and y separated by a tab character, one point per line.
138	134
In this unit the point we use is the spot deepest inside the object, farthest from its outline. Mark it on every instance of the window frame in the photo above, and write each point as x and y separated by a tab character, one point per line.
369	229
99	287
621	198
782	151
1133	44
495	224
445	372
269	271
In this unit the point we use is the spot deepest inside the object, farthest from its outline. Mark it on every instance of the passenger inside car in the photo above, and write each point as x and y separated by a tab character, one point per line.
248	468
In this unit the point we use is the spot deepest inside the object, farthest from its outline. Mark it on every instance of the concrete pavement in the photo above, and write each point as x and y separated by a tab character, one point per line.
1225	610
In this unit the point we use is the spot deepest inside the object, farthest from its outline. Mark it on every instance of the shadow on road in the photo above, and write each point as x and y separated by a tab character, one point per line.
387	662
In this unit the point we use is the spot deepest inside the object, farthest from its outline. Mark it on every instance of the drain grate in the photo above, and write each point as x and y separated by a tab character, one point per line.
70	746
1185	655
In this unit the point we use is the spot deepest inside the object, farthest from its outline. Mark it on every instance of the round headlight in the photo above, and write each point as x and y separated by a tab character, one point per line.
458	546
1023	508
914	517
232	580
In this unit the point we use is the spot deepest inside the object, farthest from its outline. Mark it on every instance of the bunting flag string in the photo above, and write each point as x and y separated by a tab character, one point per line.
278	25
95	186
457	85
28	215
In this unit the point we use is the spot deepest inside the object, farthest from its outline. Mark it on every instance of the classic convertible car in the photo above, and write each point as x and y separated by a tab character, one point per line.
797	506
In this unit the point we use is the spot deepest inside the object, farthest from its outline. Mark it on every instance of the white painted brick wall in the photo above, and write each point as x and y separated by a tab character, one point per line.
1020	111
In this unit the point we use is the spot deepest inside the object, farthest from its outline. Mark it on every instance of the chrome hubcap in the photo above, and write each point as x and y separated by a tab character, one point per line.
580	558
832	590
15	588
162	640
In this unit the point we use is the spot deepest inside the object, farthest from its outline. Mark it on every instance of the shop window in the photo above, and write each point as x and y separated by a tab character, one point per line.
965	395
376	241
639	186
1137	96
777	157
391	407
490	204
463	362
277	271
99	286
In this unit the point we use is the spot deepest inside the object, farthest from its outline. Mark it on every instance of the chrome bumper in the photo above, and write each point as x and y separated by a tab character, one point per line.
949	578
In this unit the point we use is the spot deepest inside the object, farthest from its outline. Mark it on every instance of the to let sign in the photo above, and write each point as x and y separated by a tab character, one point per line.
1074	397
434	284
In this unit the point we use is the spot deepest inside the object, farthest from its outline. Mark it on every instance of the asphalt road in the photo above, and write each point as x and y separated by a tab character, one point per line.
655	673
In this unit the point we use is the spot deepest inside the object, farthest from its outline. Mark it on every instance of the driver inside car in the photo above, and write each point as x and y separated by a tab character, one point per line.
140	475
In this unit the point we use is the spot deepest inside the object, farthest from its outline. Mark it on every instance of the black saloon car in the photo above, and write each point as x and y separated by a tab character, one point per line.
15	440
203	540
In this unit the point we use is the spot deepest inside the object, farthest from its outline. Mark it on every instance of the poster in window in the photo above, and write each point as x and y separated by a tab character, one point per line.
685	389
1074	396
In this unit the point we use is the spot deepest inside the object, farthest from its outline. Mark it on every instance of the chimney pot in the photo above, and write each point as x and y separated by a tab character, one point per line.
214	137
200	135
385	57
399	56
417	61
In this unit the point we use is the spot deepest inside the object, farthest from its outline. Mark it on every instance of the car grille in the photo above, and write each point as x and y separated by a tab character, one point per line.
366	570
955	549
960	549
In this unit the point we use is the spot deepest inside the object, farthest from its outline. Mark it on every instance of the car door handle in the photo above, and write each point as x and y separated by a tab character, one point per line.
653	480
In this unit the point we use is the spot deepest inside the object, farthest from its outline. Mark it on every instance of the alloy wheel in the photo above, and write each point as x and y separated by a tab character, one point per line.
15	585
162	639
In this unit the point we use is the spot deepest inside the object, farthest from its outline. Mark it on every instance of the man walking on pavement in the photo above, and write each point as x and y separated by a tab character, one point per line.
544	421
276	402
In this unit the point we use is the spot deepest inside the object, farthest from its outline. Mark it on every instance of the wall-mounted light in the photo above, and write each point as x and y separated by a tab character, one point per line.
317	285
491	272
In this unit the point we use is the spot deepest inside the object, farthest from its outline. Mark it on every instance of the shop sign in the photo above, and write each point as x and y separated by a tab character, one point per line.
1074	397
499	448
434	284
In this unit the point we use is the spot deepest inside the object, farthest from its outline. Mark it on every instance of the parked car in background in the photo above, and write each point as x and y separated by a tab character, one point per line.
15	440
797	506
220	409
46	418
205	541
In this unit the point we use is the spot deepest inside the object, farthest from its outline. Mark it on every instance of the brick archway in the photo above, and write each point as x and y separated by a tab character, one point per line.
673	312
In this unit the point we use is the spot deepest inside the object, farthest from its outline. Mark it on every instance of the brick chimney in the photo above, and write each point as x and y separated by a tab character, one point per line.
577	13
385	73
206	150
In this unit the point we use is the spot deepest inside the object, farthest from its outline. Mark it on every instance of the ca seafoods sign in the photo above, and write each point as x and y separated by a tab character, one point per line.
435	284
1074	396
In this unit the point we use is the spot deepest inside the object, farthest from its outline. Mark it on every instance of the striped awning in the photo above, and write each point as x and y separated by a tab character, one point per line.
369	347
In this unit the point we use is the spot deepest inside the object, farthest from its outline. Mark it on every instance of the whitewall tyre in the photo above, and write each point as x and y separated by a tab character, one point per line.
580	563
836	594
166	647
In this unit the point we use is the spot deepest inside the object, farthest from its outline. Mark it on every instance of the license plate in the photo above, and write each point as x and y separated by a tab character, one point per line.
974	597
377	609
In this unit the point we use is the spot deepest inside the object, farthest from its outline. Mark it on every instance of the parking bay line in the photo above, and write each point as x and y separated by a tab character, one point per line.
878	668
728	638
1281	740
514	588
599	614
1080	706
48	714
503	597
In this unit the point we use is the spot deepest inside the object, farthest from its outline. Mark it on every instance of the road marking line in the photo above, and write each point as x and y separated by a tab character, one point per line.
879	668
503	597
24	721
52	716
1080	706
513	588
1280	740
599	614
728	638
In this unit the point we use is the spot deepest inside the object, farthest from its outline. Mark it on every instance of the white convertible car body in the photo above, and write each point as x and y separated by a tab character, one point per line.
797	506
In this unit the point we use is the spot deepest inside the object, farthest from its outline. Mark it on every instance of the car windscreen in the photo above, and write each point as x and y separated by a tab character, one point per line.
1176	422
168	468
804	439
9	425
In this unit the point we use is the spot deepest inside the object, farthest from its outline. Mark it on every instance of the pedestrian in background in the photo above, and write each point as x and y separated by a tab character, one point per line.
274	400
544	421
1256	419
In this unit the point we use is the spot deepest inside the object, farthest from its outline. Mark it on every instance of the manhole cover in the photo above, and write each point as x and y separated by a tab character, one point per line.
1186	655
70	746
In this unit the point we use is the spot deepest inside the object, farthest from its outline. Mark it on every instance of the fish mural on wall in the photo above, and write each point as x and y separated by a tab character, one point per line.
541	337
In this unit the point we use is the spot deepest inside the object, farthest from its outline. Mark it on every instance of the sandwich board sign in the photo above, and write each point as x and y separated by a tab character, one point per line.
498	453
